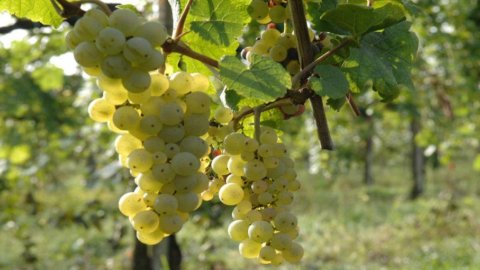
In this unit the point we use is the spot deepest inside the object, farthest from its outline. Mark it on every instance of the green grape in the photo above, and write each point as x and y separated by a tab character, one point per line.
249	248
138	133
181	82
126	118
149	198
207	195
154	62
237	214
171	149
165	204
231	194
196	124
185	184
100	110
258	9
140	160
278	14
87	55
136	81
235	179
280	241
201	183
88	28
150	124
247	156
198	102
277	260
131	203
268	213
251	145
278	53
200	82
153	31
188	202
285	221
235	165
172	134
126	143
277	171
260	231
148	183
93	71
265	198
171	114
264	20
293	233
163	172
293	67
268	136
170	95
259	186
234	143
159	84
98	15
117	97
260	47
154	144
293	185
244	206
110	85
159	158
284	198
110	41
238	230
294	253
124	20
270	36
279	150
290	174
138	50
170	223
145	221
287	40
168	188
185	163
265	150
253	215
223	115
153	106
267	253
271	162
151	238
194	145
219	164
72	39
115	66
255	170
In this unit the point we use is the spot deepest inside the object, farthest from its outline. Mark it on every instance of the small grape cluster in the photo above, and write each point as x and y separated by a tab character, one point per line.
119	46
264	12
259	181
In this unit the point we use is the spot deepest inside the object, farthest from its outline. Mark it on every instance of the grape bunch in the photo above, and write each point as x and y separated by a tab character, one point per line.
264	12
259	181
120	46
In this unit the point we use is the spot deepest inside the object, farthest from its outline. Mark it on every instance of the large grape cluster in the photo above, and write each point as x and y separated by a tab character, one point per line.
120	46
267	11
259	181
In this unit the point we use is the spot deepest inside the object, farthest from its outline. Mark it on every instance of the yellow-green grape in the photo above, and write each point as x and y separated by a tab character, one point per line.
198	102
249	248
110	41
159	84
138	133
150	124
163	172
148	183
88	28
235	179
185	163
268	136
165	204
87	55
234	143
181	82
186	183
235	165
72	39
244	206
172	134
287	40
126	143
137	50
264	20
253	215
293	253
116	97
220	165
255	170
170	223
171	114
247	156
270	36
267	253
124	20
196	124
265	198
153	106
207	195
200	82
159	158
285	221
170	95
151	238
171	149
154	61
238	230
278	14
294	185
131	203
251	144
231	194
97	15
223	115
140	160
268	213
281	241
271	162
278	53
93	71
259	186
293	67
290	174
284	198
100	110
201	183
145	221
154	144
265	150
277	260
110	84
188	202
136	81
126	118
260	231
194	145
168	188
115	66
153	31
261	48
258	9
149	198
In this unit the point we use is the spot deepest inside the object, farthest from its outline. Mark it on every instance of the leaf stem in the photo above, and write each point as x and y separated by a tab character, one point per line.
352	104
181	22
257	112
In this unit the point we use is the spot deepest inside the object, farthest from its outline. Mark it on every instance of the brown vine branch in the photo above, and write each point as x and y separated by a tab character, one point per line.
181	22
179	47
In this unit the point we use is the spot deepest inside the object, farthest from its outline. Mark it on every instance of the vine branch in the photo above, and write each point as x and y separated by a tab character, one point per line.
179	47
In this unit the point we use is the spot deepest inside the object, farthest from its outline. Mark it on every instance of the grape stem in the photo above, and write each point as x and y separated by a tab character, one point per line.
352	104
181	22
179	47
257	112
99	3
261	108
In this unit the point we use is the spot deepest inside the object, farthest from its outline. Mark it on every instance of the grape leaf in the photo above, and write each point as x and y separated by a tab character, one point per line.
35	10
329	81
383	61
264	79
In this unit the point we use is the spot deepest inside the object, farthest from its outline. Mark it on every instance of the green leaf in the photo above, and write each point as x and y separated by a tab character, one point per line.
383	61
329	81
359	20
264	79
336	104
48	77
35	10
476	163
